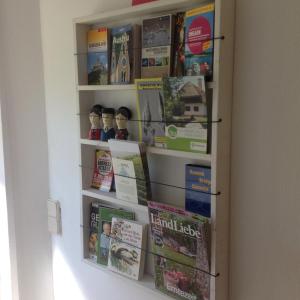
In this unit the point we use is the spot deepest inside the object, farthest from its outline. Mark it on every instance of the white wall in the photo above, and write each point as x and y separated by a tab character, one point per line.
25	149
265	241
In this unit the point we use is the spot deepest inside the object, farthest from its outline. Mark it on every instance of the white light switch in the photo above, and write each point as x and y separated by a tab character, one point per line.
54	217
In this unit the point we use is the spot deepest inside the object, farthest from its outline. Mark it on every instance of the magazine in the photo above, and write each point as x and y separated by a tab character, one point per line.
186	115
150	108
127	248
180	241
131	171
104	230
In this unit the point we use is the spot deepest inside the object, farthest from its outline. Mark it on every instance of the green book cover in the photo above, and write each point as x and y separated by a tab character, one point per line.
186	113
131	171
105	218
150	109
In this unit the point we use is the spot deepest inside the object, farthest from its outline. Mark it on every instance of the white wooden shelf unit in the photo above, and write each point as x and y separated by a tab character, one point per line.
163	163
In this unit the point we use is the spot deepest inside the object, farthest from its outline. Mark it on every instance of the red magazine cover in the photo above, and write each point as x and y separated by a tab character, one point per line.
137	2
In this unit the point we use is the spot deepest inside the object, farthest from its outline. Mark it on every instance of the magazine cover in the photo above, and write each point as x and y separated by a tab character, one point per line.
103	171
127	248
98	60
198	189
131	171
125	56
125	180
181	242
185	109
93	237
157	39
150	109
199	43
104	230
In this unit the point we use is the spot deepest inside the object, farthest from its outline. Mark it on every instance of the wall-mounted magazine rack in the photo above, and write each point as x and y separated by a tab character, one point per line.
163	163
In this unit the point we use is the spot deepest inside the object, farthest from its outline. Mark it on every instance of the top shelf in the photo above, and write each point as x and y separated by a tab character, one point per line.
133	11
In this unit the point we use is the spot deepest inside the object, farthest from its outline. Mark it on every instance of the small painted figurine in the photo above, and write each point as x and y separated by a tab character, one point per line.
95	119
108	131
122	116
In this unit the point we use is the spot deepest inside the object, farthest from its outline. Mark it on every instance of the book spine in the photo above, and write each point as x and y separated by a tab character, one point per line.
93	237
136	74
172	52
179	38
143	152
108	54
143	252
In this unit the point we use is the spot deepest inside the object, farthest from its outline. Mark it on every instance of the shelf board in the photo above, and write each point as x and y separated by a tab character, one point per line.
107	87
205	158
146	282
138	10
112	198
94	143
181	154
120	87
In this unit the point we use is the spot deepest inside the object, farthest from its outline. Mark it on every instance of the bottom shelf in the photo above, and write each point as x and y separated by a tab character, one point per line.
146	282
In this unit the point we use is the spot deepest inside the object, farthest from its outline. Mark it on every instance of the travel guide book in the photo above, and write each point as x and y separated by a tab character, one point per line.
199	41
103	171
150	109
198	189
104	230
125	54
127	248
93	236
180	241
98	56
157	39
185	113
131	171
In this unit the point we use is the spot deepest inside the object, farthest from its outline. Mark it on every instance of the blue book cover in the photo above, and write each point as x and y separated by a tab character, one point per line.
198	189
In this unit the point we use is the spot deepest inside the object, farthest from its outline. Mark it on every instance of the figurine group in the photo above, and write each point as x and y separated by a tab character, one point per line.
107	115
